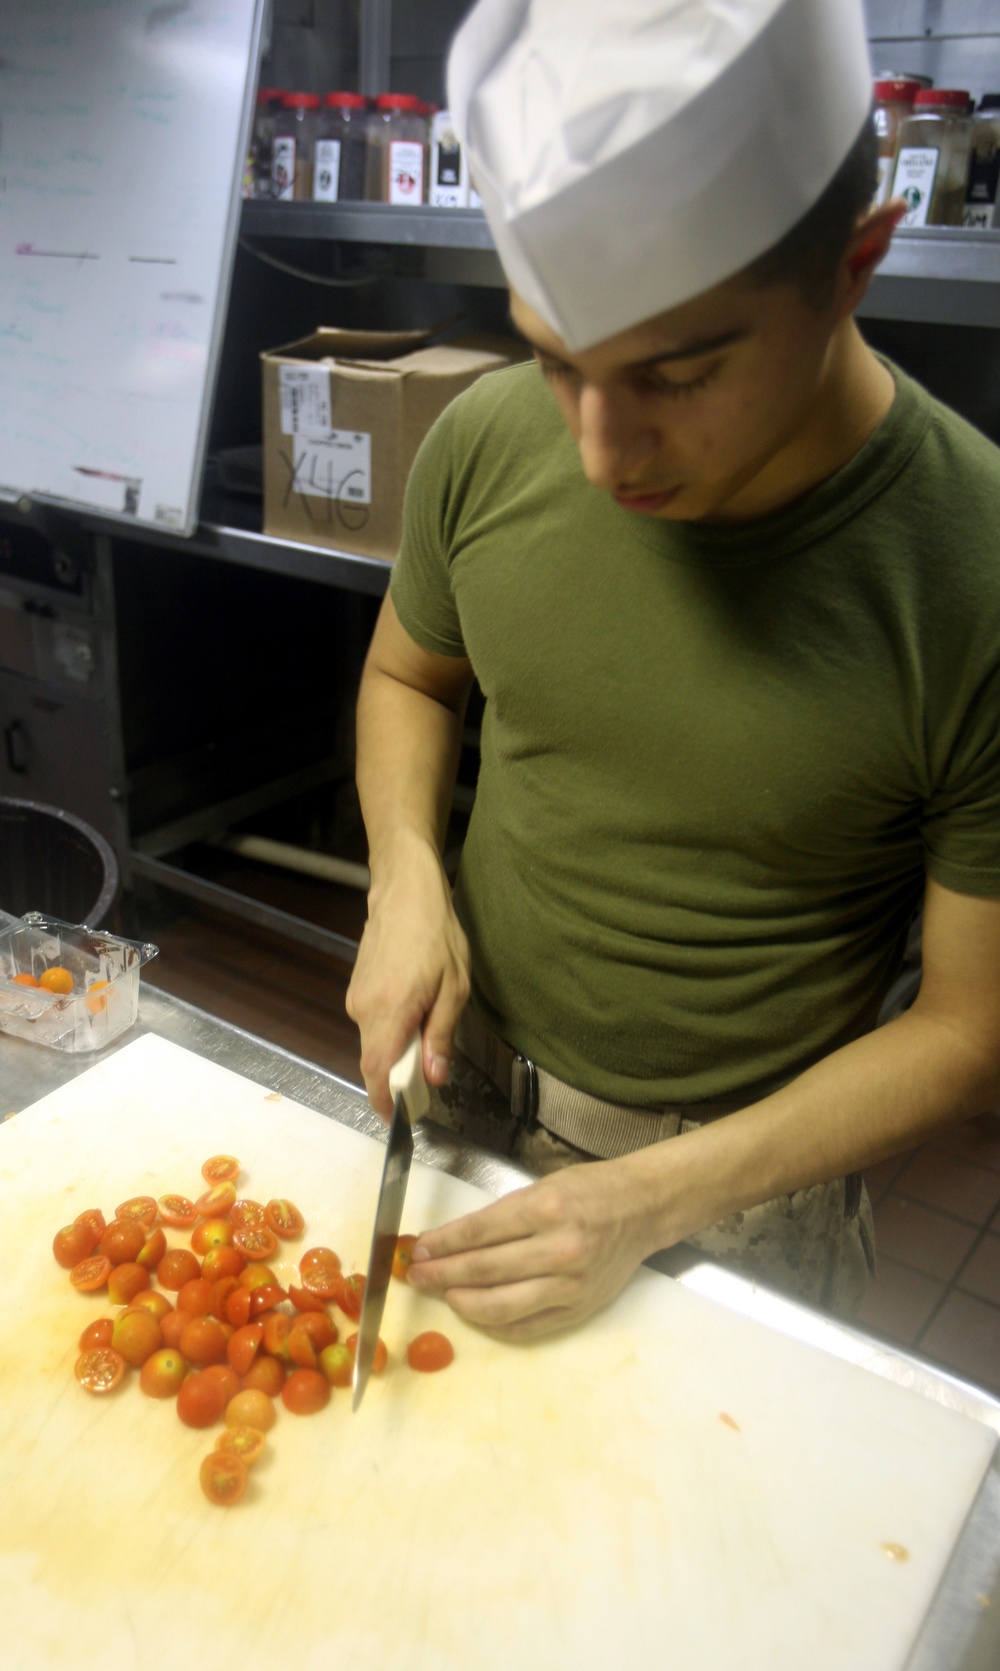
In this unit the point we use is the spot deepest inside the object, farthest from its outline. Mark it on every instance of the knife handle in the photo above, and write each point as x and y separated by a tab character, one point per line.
406	1080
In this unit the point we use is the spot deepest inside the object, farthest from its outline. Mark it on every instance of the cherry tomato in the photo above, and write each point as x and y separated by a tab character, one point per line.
177	1211
163	1374
247	1212
153	1249
194	1296
403	1256
150	1300
219	1294
264	1298
255	1241
91	1274
172	1326
302	1300
202	1342
126	1281
243	1346
350	1293
177	1267
256	1276
223	1476
246	1442
221	1169
73	1243
96	1219
142	1207
238	1305
320	1328
23	980
305	1392
211	1233
266	1375
97	1334
222	1262
251	1408
97	1001
430	1351
284	1218
320	1270
300	1349
123	1240
277	1328
223	1376
381	1357
217	1201
136	1336
201	1401
100	1369
337	1364
58	979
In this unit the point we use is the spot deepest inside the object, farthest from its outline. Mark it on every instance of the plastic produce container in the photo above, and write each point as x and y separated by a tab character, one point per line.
103	1000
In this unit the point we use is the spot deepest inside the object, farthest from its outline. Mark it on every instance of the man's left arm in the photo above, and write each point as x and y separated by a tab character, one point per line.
549	1255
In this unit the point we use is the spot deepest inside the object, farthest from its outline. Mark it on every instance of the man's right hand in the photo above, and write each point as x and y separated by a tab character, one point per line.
412	970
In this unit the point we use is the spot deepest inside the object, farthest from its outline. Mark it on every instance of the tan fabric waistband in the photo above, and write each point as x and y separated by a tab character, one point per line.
605	1129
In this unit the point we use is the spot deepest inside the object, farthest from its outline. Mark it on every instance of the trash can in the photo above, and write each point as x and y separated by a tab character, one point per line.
52	862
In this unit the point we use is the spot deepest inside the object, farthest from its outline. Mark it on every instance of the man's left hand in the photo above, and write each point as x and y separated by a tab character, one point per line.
541	1259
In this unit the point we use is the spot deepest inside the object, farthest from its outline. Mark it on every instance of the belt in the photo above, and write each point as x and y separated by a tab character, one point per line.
604	1129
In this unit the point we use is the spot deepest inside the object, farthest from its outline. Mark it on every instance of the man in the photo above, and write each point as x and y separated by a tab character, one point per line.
730	589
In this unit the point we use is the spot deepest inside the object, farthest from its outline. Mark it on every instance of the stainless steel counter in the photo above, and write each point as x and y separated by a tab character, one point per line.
962	1631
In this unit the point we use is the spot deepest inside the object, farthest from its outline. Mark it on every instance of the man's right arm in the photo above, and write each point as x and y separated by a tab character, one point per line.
413	965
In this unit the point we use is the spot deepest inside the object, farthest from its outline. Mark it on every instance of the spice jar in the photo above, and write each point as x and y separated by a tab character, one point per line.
981	206
257	174
397	150
893	103
292	147
341	149
932	157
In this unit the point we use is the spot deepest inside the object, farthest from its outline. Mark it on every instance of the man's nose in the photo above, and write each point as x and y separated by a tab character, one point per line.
616	440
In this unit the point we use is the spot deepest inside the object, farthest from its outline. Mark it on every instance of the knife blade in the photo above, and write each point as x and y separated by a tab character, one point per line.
410	1103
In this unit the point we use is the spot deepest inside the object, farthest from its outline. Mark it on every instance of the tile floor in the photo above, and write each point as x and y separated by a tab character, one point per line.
937	1209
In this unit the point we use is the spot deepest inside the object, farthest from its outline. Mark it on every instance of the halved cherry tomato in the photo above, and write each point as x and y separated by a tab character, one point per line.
202	1342
243	1346
300	1349
57	979
163	1374
211	1233
255	1241
337	1364
402	1257
23	980
221	1169
194	1297
177	1211
149	1299
222	1261
73	1243
246	1442
142	1207
97	1334
284	1218
99	1370
219	1294
224	1376
251	1408
350	1293
256	1276
277	1328
305	1392
302	1300
153	1249
217	1201
320	1328
247	1212
91	1274
123	1240
238	1305
262	1299
320	1270
223	1476
96	1219
172	1326
381	1357
136	1336
201	1400
430	1351
266	1375
177	1267
126	1281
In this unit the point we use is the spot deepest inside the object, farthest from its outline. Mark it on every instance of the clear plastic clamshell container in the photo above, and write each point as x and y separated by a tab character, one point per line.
101	972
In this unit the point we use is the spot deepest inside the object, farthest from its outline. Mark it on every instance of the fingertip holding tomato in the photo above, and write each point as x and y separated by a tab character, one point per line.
403	1257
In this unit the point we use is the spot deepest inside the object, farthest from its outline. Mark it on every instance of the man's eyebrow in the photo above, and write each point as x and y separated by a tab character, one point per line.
689	351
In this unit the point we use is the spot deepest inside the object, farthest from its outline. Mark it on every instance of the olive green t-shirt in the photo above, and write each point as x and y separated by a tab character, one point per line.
717	762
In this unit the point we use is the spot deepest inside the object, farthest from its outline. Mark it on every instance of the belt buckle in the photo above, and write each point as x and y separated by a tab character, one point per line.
524	1092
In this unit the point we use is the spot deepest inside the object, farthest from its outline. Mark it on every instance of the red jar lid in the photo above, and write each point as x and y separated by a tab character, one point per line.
950	98
267	95
346	101
399	101
897	92
301	101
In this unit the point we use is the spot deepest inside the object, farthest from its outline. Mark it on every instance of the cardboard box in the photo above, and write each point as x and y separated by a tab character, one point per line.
344	414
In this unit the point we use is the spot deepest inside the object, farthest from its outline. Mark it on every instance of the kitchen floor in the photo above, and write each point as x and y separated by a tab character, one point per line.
937	1209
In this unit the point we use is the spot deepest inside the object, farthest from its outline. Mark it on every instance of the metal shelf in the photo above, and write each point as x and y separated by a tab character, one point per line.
935	275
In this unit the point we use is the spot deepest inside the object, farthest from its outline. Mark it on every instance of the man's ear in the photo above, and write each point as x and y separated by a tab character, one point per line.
868	247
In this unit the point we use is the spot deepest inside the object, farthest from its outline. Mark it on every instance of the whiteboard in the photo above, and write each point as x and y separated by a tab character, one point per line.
124	125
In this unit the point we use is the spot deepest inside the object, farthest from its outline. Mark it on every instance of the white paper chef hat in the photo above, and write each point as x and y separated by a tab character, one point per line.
630	154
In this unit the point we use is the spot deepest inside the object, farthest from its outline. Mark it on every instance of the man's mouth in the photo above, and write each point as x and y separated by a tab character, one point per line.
645	502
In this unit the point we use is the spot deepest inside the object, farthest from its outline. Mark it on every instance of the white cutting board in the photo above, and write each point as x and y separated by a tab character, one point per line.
575	1504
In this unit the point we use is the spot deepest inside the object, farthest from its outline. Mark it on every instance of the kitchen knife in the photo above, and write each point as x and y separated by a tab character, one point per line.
411	1102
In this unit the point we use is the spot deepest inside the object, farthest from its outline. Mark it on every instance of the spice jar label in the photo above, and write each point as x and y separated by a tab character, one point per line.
406	171
916	170
283	170
326	173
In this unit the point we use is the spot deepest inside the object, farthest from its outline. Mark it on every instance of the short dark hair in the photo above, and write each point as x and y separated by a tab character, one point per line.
811	252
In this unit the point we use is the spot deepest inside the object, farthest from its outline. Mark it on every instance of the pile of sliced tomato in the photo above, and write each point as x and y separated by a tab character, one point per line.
210	1325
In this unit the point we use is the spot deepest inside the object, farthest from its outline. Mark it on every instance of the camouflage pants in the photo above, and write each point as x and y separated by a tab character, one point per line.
816	1245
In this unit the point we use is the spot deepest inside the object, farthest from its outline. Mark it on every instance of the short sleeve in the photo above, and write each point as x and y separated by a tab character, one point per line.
961	824
421	579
